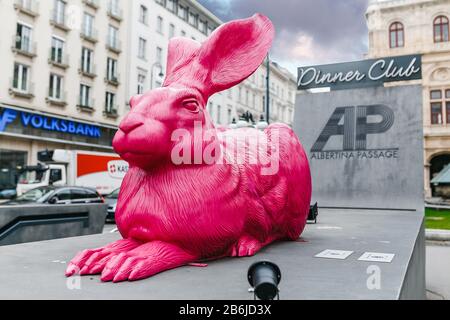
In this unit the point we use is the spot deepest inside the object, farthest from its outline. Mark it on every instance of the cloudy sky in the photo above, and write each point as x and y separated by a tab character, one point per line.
308	31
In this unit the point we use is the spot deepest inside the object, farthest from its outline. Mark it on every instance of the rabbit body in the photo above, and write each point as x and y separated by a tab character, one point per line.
170	214
213	207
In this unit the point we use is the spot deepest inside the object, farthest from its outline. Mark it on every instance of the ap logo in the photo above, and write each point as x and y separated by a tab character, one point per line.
352	124
8	117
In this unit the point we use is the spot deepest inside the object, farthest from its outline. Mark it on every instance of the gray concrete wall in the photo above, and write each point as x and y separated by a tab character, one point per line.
20	224
379	165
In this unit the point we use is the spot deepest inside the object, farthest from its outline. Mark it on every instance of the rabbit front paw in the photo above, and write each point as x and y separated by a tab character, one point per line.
92	261
145	261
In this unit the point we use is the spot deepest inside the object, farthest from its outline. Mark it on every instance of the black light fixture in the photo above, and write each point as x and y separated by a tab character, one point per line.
264	277
313	213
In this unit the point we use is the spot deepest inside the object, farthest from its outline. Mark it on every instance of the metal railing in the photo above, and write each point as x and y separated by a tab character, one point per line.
16	90
115	45
115	13
89	34
23	46
58	59
30	7
59	20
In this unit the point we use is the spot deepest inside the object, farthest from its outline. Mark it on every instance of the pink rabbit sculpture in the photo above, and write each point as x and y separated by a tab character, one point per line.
173	214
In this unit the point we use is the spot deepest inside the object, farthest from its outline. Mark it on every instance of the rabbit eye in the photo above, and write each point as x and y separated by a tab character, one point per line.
191	105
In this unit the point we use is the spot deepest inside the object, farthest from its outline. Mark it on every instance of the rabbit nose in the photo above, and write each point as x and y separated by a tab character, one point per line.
131	122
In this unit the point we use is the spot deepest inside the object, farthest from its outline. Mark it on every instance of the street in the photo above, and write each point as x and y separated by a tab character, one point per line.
438	272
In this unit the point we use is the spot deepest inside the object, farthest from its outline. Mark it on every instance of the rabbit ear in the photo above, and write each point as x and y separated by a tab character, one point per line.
235	50
182	52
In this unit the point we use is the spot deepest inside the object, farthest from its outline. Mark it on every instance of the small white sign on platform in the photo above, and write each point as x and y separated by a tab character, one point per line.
377	257
334	254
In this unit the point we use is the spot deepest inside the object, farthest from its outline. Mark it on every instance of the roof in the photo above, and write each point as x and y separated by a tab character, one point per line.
443	177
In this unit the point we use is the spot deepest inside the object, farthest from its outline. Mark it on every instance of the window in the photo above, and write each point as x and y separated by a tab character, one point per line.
55	87
114	7
211	110
112	37
182	12
193	19
57	50
64	195
23	38
440	29
254	101
218	114
240	94
55	175
86	60
85	92
141	82
170	4
59	12
436	107
171	31
110	99
396	35
159	55
229	115
202	26
246	98
183	33
88	24
142	53
143	14
20	80
159	24
111	71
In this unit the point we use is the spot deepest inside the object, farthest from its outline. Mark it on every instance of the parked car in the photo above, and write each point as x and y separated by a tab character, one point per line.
111	200
58	195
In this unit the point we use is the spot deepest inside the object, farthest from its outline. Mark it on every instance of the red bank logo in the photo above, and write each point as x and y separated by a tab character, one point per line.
117	169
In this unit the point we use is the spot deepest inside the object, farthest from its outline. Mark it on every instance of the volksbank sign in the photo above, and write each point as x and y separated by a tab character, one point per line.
20	122
47	123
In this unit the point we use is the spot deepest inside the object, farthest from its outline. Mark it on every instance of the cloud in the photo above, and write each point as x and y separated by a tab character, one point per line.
308	31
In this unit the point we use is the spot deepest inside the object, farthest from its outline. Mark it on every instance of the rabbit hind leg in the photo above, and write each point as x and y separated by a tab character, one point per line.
246	246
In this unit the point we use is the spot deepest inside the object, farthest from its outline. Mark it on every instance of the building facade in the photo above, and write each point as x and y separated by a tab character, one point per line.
60	85
401	27
154	22
70	68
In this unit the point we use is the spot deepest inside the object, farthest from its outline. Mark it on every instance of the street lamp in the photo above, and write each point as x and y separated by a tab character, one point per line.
161	74
268	90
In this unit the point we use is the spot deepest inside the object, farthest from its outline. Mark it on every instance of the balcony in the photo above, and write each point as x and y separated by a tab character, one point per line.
113	80
88	72
23	47
59	21
114	46
89	35
91	3
54	101
28	7
17	92
111	112
115	13
86	107
58	60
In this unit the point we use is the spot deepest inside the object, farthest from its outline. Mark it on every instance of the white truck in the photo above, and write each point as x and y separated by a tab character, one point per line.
101	171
